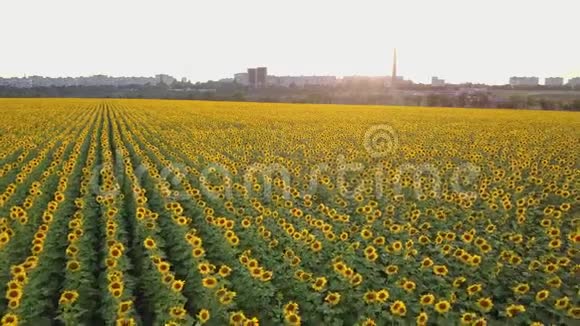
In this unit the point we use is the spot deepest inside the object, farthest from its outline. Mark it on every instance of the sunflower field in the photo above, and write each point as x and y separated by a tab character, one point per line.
152	212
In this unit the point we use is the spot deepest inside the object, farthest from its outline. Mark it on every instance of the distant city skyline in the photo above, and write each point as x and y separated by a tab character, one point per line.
258	77
459	41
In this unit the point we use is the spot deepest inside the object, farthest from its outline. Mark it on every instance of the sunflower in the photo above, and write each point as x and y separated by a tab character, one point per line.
111	263
562	303
398	308
391	269
9	320
467	318
292	319
534	264
485	304
68	297
554	282
397	246
295	261
227	298
291	307
551	268
177	285
366	234
177	312
574	312
379	241
168	279
383	295
427	299
542	295
356	279
426	262
442	306
490	228
197	252
480	322
515	260
256	272
372	257
458	281
339	267
234	240
333	298
440	270
195	242
13	285
14	294
203	316
124	307
423	239
114	276
485	248
163	267
182	221
319	284
473	289
370	297
369	322
316	246
555	244
422	319
266	276
13	304
546	223
204	268
467	237
252	263
73	265
115	252
369	250
409	286
125	322
221	292
209	282
475	260
521	288
149	243
224	271
563	261
514	309
20	278
116	289
252	322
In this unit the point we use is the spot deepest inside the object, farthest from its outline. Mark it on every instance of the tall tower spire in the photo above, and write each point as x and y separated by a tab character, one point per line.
394	75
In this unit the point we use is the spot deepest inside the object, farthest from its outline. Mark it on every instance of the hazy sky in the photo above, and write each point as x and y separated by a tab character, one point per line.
480	41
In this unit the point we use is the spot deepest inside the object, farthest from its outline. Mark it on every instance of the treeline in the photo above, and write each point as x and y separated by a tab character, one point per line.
543	102
412	95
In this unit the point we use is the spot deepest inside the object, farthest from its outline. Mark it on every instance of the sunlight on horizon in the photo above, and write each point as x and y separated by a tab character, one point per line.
479	41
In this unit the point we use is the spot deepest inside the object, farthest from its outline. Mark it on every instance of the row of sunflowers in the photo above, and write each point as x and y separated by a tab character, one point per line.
141	212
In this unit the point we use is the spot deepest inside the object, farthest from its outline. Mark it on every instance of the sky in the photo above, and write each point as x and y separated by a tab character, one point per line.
457	40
